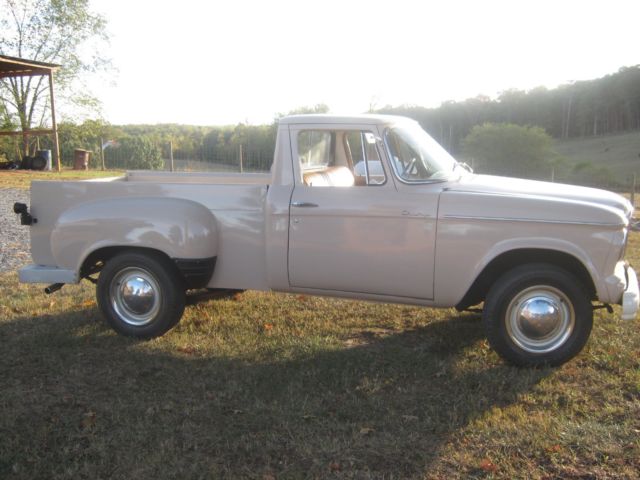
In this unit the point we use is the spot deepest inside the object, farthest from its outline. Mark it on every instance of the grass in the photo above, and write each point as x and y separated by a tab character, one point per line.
265	386
22	178
620	153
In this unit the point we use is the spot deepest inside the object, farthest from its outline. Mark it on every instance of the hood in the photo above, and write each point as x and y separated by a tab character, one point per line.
552	201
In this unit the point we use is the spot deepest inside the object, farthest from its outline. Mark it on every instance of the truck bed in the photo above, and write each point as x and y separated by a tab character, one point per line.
235	200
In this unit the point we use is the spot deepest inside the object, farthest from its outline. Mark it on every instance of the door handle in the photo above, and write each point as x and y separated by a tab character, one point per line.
304	204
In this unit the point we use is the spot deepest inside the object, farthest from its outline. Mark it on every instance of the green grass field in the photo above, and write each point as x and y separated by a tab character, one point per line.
619	153
266	386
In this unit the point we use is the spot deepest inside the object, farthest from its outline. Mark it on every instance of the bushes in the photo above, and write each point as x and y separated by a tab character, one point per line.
134	153
508	149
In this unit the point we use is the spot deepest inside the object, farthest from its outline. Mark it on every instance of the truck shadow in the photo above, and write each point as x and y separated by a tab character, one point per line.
79	401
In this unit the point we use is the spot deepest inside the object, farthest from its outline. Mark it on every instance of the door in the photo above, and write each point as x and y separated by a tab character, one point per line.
361	235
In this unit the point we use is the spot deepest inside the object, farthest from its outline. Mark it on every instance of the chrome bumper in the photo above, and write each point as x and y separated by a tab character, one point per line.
45	274
631	295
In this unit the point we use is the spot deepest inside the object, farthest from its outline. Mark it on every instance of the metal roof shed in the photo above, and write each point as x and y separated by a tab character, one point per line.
13	67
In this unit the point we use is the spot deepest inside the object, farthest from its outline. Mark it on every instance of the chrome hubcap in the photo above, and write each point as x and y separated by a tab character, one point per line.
540	319
135	296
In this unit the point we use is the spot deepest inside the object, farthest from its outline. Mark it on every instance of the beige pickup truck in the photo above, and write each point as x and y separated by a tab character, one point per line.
366	207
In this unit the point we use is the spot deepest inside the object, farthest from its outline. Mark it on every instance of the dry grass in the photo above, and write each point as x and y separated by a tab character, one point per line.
22	178
271	386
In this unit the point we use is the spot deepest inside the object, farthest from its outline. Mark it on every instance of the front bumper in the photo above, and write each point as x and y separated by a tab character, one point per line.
631	295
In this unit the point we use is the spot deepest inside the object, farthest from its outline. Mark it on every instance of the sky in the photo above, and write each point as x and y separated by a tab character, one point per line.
212	62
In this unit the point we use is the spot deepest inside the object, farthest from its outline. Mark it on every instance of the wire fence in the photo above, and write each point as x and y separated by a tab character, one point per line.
241	158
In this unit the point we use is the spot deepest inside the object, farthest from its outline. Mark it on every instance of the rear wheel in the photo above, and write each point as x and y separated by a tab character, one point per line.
538	314
141	294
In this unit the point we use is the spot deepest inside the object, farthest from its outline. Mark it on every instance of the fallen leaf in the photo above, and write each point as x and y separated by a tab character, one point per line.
366	431
187	350
151	410
268	327
441	373
335	467
553	449
409	418
488	466
88	420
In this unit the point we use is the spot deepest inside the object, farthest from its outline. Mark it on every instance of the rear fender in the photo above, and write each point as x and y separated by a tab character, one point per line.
179	228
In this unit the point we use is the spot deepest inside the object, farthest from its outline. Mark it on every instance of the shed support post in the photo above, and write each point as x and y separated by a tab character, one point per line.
56	145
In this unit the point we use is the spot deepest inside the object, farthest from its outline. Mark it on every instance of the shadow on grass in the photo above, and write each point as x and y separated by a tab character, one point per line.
79	401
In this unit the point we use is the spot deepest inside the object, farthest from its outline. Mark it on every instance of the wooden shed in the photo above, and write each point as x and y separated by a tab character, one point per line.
13	67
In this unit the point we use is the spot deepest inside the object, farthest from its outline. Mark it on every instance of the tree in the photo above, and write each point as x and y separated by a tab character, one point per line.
135	153
317	108
52	31
508	149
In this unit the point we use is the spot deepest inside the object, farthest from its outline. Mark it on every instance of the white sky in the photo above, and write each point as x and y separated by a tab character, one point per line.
211	62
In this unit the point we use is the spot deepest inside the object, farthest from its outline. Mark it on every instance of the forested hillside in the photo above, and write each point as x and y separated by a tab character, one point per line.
587	108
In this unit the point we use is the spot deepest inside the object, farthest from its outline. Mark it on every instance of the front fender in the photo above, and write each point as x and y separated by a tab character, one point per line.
179	228
465	248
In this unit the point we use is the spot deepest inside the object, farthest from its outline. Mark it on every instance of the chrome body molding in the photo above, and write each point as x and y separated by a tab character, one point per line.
532	220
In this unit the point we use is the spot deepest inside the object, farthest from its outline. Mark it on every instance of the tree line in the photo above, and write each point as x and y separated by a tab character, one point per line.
610	104
595	107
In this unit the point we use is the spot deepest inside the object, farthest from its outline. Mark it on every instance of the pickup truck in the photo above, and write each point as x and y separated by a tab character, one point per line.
365	207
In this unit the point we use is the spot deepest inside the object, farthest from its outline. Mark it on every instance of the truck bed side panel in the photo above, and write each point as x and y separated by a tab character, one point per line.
238	210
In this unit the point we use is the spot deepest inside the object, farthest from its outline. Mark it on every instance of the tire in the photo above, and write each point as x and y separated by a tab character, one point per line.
537	315
129	313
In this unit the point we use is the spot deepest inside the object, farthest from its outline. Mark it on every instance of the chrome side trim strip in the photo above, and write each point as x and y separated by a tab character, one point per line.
532	220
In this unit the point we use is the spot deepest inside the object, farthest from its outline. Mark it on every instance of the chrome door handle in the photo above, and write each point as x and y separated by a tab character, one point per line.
304	204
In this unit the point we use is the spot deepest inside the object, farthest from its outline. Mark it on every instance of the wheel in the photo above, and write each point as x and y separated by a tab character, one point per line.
537	315
141	295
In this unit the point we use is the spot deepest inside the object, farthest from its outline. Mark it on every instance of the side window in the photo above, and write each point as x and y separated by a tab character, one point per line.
363	153
315	149
339	158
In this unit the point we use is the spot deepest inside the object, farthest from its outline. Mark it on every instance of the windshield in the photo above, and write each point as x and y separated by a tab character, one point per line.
415	156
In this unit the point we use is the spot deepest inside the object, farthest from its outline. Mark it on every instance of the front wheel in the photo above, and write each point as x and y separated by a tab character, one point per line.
140	294
538	315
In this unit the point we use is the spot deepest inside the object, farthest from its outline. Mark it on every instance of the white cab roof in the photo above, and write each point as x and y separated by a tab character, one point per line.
343	119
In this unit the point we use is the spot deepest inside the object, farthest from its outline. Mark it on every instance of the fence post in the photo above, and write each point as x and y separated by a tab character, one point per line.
241	167
633	191
102	152
553	174
171	155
